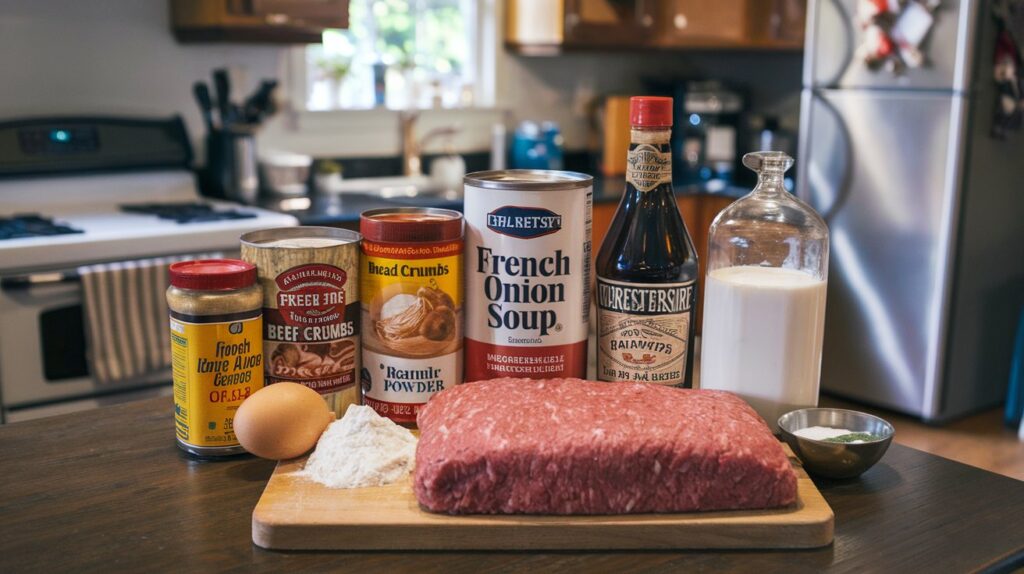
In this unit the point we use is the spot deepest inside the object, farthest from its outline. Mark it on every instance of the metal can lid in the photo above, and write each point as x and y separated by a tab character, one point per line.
212	274
302	237
410	224
529	179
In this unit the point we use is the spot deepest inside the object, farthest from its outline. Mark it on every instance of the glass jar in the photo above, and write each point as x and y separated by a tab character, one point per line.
764	302
216	332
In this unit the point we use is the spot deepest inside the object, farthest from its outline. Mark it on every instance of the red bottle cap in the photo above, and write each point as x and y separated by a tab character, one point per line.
212	274
410	224
650	112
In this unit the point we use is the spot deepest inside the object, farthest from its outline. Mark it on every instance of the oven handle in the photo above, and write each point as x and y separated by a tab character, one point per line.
28	280
37	279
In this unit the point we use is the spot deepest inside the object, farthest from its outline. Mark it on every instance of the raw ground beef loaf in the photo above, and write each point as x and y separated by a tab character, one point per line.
566	446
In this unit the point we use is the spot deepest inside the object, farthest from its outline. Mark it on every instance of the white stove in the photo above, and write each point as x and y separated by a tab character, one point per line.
94	206
81	191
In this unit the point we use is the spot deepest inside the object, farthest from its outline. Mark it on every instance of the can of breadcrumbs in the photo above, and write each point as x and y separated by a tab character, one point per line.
310	279
527	273
411	285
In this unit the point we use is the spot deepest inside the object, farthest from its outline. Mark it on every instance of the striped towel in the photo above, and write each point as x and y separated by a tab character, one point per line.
126	317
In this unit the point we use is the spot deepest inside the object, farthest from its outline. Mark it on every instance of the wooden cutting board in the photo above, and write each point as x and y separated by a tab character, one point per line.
298	514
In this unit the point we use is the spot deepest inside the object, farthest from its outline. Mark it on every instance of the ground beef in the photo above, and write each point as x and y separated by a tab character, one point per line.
566	446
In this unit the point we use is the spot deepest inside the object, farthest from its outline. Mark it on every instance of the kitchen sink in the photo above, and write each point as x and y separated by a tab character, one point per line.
397	187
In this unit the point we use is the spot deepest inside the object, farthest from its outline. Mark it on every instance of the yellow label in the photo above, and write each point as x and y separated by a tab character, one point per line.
412	307
385	276
215	366
412	324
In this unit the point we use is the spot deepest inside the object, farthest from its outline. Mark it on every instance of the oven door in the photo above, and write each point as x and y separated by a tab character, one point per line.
43	347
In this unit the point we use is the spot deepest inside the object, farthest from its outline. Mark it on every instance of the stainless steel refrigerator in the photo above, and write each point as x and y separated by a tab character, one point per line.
926	213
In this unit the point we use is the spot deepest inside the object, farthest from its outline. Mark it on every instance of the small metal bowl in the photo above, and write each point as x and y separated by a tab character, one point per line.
830	459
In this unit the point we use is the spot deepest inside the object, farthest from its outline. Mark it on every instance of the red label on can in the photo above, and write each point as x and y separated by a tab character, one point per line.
486	361
311	295
310	338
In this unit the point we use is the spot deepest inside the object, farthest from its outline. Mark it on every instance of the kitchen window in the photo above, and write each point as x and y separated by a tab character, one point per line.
427	54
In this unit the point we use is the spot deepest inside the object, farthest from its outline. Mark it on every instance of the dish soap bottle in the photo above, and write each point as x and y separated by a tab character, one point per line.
647	266
764	296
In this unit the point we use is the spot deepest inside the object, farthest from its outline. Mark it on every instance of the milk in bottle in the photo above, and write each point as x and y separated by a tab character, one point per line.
764	310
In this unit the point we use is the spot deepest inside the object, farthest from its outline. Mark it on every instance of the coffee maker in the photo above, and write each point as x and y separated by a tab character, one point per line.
707	131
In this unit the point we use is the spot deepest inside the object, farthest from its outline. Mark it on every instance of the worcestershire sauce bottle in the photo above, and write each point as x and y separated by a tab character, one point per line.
647	267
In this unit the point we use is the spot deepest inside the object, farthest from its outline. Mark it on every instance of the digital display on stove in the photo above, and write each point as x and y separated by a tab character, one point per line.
59	140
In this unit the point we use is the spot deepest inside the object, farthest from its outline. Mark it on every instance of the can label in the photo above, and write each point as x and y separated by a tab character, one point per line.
398	387
412	316
527	282
217	362
643	331
310	338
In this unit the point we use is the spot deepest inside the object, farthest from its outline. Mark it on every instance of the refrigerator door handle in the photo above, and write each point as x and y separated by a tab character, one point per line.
849	50
842	188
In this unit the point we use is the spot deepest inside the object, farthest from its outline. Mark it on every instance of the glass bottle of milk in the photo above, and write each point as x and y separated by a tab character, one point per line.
764	301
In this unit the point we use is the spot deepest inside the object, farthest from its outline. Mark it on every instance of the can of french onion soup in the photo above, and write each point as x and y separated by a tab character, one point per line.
527	273
411	289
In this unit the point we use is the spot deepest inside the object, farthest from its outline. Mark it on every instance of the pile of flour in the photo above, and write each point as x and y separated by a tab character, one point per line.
361	449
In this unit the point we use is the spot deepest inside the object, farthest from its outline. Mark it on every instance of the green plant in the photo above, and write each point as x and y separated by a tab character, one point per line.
334	67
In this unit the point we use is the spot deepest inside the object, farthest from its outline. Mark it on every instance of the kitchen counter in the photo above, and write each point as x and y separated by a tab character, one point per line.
344	209
108	490
609	189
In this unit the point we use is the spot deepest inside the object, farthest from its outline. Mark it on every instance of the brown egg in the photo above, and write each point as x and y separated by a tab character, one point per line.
281	421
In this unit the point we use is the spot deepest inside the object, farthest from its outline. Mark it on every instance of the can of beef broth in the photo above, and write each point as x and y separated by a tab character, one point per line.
527	273
411	285
310	280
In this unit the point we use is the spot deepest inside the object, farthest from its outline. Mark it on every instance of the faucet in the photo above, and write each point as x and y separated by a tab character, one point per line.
412	149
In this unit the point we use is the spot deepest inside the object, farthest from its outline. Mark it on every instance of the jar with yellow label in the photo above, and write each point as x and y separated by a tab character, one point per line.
216	325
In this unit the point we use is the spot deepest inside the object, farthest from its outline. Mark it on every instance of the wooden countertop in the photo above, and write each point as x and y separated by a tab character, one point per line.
107	490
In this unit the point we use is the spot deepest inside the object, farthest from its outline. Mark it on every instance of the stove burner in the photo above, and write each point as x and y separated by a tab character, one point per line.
31	225
187	212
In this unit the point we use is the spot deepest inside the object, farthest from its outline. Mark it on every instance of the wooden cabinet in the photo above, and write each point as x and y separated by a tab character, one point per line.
256	21
601	220
653	24
701	23
607	23
707	209
698	211
731	23
778	23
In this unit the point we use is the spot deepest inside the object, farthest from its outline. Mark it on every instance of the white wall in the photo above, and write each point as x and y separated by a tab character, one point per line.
111	56
118	56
